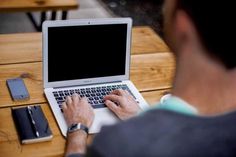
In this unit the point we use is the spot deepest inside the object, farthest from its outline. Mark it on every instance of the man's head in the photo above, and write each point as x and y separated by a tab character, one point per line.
211	20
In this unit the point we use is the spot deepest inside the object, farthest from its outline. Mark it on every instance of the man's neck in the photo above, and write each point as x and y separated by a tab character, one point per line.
204	83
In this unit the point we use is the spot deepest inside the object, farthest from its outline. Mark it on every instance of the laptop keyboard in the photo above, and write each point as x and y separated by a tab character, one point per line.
94	95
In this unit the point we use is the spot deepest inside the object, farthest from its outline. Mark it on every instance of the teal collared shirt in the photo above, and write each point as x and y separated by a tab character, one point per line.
175	104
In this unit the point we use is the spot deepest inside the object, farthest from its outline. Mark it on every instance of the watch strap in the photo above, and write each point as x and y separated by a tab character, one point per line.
76	127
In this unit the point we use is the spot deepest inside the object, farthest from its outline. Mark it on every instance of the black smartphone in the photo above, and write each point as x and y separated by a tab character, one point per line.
17	89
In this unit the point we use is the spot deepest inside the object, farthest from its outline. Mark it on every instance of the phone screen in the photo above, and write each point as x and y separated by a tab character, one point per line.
17	89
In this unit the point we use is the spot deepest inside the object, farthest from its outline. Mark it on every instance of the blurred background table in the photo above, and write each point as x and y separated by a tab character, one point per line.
28	6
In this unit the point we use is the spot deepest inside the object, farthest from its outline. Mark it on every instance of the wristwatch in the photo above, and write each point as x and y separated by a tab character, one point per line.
76	127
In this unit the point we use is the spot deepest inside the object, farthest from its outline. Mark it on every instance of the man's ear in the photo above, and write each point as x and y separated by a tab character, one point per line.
185	32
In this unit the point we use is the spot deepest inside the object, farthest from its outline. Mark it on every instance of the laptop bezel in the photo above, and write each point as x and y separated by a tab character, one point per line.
82	22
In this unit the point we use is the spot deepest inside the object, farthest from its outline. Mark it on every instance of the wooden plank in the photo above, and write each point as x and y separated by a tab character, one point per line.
27	47
145	40
33	5
10	145
153	97
20	48
153	71
148	72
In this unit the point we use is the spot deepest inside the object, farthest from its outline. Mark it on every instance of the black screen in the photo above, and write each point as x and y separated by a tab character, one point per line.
80	52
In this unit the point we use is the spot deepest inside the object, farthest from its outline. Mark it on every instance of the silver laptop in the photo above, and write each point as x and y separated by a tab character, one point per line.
90	57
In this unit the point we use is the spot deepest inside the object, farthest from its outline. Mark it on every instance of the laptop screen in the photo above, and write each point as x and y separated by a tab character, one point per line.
82	52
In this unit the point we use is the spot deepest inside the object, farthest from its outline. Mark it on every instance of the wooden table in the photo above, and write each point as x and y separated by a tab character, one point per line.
152	67
38	5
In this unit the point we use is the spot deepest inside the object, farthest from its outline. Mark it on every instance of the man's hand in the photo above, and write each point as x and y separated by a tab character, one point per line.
122	104
78	110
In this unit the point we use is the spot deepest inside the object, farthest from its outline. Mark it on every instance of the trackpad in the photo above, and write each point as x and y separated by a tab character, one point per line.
102	117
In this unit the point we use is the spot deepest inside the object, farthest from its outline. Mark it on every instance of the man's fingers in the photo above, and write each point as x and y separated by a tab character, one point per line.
119	92
68	100
113	98
75	98
111	105
126	92
84	100
64	107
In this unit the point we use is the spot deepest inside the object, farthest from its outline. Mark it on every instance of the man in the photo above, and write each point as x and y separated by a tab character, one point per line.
205	77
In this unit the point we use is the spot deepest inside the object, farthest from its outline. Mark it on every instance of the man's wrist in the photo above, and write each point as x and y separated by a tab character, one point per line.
76	142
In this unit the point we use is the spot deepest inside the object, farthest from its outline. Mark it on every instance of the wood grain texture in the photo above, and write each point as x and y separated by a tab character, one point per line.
34	5
10	144
152	71
20	48
146	40
148	72
27	47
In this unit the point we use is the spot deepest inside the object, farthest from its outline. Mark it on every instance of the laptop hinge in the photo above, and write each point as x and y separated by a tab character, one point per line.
87	84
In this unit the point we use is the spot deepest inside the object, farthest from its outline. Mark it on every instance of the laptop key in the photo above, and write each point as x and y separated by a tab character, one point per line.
61	94
59	99
91	98
55	94
88	91
78	92
60	102
67	94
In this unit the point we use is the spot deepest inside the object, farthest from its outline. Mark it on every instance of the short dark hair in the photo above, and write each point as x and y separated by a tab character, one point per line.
214	21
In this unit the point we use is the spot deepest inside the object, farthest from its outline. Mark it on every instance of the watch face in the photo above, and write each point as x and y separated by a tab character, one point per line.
79	126
73	127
